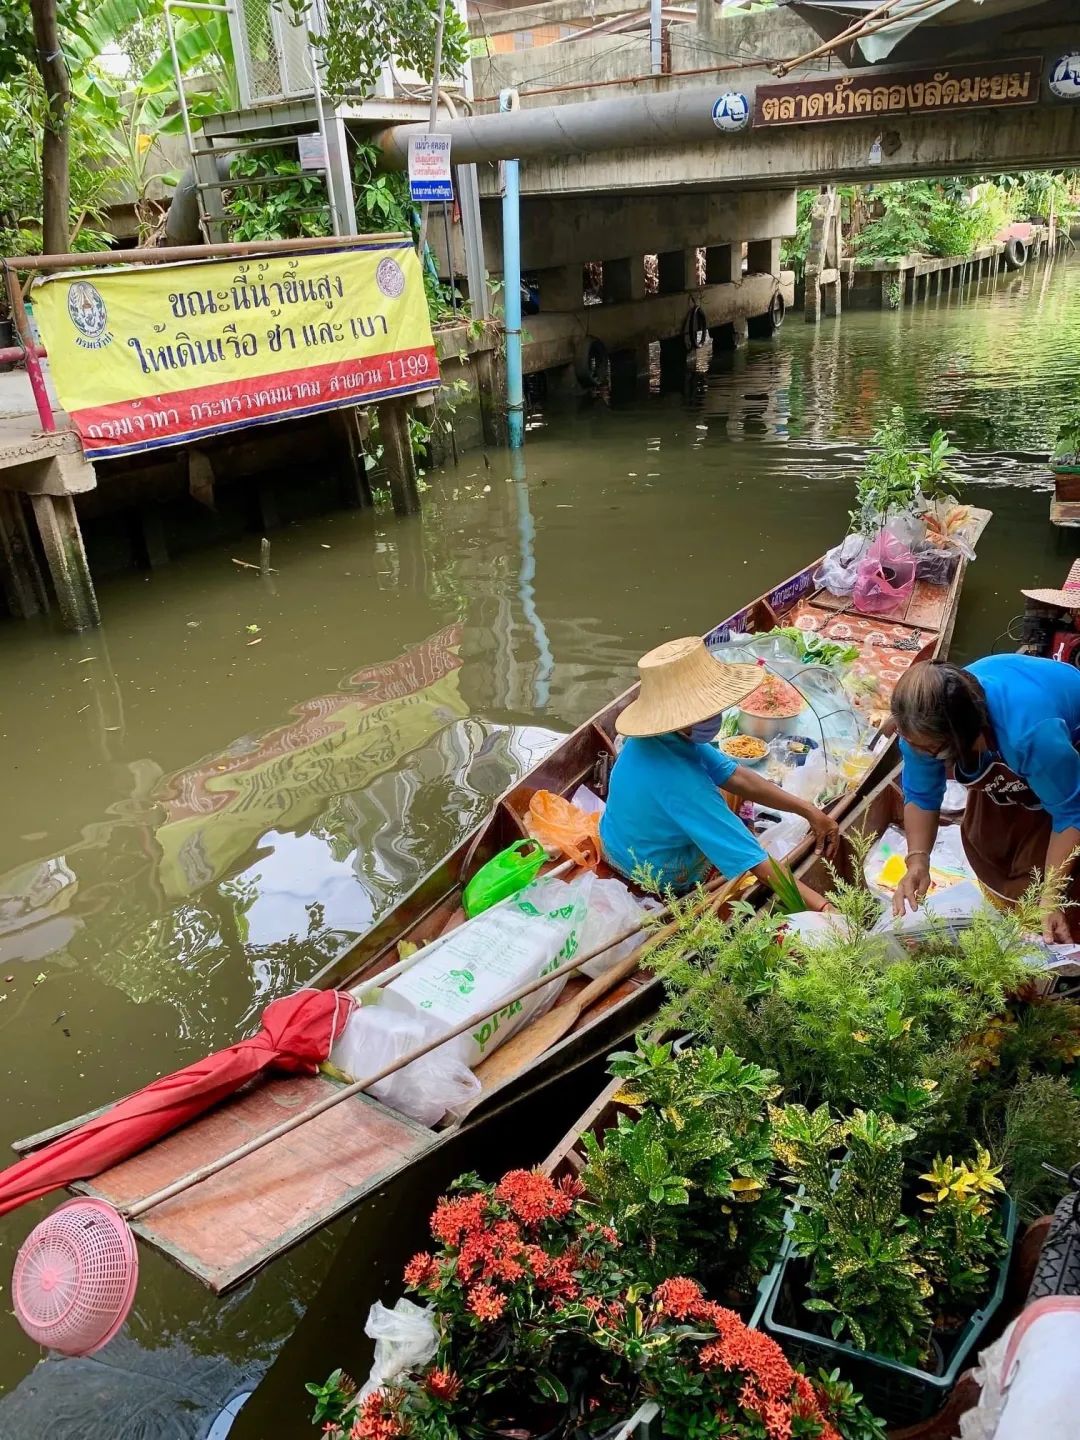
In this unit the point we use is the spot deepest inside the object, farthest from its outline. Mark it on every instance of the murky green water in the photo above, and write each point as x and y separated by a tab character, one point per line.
218	790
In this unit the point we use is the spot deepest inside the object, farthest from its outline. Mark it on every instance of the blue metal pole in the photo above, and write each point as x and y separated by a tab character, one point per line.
511	218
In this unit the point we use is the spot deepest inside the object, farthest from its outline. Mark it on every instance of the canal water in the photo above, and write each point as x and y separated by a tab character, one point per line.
227	783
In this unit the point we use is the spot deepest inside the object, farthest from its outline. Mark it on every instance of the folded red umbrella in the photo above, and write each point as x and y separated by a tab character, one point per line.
295	1036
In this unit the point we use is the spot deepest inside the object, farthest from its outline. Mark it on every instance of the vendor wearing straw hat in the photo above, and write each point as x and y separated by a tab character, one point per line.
1047	614
1067	598
665	813
1008	728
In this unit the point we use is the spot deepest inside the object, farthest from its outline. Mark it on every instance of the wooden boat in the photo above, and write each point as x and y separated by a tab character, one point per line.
230	1225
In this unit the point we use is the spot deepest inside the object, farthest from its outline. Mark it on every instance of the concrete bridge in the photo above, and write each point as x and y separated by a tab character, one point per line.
621	157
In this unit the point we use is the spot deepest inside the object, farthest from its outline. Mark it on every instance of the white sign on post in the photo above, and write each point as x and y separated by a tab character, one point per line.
429	168
312	152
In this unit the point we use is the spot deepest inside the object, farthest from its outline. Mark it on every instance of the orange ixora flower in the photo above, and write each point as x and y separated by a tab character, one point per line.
378	1418
442	1384
678	1297
421	1270
533	1197
457	1217
485	1302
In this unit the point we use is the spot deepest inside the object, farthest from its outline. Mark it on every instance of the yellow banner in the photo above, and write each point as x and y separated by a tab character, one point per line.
154	355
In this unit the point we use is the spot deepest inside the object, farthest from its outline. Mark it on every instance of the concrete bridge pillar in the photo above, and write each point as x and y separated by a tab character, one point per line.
561	288
763	257
677	270
61	540
623	279
723	264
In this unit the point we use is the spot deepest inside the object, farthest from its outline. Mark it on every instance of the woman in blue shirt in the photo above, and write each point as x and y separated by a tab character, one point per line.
1007	727
665	813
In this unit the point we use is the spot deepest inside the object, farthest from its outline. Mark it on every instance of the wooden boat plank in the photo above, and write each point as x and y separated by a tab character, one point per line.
232	1223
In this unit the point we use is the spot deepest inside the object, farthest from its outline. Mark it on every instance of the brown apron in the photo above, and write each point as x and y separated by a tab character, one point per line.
1005	831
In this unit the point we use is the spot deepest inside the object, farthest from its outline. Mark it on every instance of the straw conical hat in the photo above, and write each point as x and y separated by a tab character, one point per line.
1068	597
681	685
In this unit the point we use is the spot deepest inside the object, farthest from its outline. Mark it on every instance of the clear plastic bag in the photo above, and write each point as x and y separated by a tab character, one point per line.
780	837
841	565
377	1034
611	910
405	1337
886	577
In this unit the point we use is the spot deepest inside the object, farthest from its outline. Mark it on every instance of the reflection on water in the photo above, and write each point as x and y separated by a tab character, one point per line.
215	794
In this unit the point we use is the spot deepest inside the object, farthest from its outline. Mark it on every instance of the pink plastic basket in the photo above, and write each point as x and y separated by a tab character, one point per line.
75	1277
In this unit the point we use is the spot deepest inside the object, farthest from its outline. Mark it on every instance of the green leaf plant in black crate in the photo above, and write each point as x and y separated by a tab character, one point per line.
686	1178
893	1281
954	1037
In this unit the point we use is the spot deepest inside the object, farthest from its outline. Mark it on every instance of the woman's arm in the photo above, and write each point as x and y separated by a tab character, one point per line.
748	785
920	831
1060	859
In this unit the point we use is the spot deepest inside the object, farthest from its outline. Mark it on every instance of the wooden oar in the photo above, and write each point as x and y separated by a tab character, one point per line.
518	1053
195	1177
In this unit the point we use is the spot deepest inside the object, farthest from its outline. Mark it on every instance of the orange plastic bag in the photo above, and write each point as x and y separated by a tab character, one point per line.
564	828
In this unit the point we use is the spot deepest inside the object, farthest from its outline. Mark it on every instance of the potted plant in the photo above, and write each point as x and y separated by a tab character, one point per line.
516	1274
686	1174
892	1283
711	1374
1065	456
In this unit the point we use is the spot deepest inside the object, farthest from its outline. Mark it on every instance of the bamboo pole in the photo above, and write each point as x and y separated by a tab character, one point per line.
185	1182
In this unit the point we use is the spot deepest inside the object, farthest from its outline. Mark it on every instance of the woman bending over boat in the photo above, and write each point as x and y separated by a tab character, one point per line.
665	812
1007	727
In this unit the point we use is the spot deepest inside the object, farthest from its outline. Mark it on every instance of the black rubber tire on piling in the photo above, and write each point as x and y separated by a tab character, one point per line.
1058	1270
695	328
591	363
1015	253
764	327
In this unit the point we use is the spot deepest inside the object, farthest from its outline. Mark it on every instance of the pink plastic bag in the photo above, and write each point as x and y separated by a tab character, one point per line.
886	577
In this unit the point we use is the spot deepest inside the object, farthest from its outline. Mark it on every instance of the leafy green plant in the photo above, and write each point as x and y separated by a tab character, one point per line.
850	1020
687	1180
848	1223
331	1397
1038	1124
93	173
960	1229
1067	440
288	204
901	475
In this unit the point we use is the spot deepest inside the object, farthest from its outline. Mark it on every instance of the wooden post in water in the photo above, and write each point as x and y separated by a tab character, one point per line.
24	588
398	455
61	538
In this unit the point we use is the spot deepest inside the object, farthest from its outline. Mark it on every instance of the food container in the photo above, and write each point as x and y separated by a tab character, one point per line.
765	727
771	709
730	746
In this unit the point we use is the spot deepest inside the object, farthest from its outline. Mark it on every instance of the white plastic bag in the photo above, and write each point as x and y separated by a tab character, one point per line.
1029	1378
489	957
780	837
952	907
841	564
610	909
404	1337
379	1033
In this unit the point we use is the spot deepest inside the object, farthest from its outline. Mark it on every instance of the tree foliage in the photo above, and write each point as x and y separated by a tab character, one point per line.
359	35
